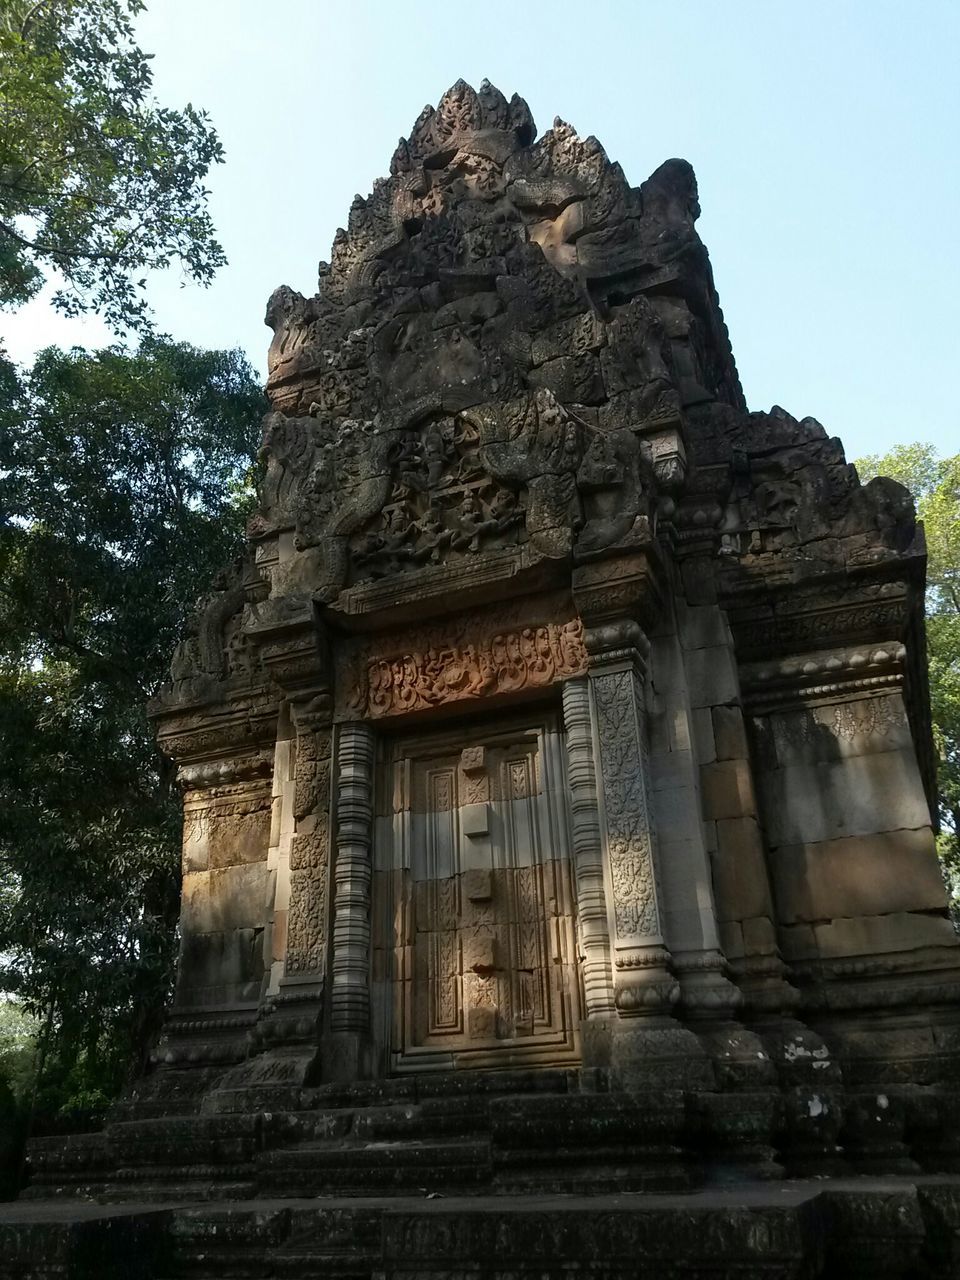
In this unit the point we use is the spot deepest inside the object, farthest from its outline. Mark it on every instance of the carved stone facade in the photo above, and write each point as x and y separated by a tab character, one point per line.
594	707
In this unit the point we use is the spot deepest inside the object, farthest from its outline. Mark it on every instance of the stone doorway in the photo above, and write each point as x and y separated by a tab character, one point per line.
474	937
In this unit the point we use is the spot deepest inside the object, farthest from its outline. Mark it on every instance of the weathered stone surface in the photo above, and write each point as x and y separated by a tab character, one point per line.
891	871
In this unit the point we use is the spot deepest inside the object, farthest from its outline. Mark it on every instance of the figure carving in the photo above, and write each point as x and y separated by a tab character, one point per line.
506	662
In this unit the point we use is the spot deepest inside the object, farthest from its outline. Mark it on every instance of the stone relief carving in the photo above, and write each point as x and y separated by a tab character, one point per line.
506	662
306	943
628	819
306	920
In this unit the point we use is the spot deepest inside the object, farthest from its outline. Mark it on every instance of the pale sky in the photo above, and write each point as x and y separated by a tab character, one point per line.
823	134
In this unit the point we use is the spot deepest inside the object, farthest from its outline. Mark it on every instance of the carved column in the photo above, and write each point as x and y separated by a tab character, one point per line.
350	988
643	982
587	850
642	1045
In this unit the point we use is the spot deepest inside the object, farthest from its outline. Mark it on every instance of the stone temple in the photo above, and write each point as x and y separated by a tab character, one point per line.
558	781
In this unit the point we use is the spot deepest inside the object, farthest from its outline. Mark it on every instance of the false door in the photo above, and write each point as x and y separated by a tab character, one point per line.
475	954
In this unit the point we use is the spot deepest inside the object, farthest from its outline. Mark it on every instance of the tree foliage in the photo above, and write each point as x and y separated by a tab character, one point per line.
124	486
97	181
935	484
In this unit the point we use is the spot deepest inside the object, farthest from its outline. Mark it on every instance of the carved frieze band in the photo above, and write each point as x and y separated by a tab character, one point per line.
626	810
823	673
350	991
587	850
432	671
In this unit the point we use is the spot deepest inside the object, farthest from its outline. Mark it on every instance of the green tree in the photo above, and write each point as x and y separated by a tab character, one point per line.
97	181
125	481
935	484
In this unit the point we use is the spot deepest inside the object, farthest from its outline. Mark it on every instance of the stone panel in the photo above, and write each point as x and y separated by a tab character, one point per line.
225	899
807	803
711	676
890	871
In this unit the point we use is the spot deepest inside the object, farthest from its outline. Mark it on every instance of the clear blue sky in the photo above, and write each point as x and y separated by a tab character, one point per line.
824	136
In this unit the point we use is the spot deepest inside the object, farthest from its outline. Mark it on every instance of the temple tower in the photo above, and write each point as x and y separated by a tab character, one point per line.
565	719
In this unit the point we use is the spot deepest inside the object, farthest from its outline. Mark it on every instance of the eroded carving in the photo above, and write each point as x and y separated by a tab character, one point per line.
509	661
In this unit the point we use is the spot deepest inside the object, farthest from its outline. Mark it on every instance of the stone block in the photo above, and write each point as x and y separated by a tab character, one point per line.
684	928
478	885
676	812
480	952
731	939
797	942
858	875
739	870
712	676
703	735
699	580
727	790
804	804
476	820
669	771
229	898
195	844
875	935
701	626
218	960
730	733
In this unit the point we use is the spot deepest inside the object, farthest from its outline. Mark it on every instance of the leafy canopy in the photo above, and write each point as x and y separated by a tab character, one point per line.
935	483
124	486
97	181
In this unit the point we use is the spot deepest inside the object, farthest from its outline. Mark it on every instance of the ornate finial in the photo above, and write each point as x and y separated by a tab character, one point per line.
461	114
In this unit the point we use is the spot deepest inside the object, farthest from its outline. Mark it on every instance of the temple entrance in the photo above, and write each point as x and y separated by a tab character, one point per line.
475	959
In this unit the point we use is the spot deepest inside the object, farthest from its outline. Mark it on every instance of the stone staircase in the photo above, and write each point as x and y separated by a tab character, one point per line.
497	1132
517	1175
856	1229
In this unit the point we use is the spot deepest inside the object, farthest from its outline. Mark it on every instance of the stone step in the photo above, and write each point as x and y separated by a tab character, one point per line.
588	1119
180	1140
858	1229
347	1168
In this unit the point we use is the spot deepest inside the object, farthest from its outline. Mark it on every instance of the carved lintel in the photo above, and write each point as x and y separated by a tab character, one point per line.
434	668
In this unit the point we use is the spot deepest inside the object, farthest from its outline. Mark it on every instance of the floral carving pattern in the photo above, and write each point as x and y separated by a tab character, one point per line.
629	828
306	934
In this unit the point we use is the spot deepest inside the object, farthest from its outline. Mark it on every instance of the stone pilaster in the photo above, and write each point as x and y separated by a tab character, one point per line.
305	954
643	982
594	933
643	1042
225	763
